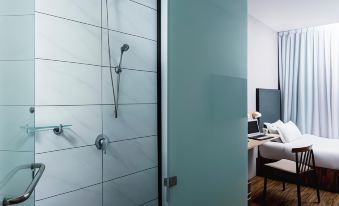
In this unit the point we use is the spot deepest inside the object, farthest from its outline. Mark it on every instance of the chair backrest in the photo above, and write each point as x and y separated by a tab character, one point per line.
304	158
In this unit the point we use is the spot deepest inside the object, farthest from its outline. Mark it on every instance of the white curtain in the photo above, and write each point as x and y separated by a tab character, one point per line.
309	79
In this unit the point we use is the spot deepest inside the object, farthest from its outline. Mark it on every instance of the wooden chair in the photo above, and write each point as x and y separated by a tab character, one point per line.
303	165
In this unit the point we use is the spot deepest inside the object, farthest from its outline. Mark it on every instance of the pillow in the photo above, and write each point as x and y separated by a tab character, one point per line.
288	132
273	127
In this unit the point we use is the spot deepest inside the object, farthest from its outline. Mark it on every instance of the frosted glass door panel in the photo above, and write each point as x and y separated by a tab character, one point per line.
207	103
16	97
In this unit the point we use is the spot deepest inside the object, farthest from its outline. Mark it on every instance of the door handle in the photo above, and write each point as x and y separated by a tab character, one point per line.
31	187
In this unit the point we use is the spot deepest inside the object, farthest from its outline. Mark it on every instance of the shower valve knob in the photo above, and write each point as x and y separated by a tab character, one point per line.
101	142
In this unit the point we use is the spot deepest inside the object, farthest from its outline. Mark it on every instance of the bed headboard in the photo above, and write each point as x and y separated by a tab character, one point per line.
268	104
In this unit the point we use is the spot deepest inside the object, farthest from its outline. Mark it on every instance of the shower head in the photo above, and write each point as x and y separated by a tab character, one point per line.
124	48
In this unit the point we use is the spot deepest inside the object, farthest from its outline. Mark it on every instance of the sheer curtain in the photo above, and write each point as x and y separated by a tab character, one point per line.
309	79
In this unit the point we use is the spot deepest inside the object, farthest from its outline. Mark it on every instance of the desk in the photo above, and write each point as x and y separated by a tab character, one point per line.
252	143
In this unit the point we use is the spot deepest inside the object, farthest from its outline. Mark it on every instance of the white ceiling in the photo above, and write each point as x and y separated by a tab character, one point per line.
282	15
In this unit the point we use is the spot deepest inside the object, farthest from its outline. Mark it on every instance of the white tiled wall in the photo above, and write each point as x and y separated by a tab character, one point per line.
72	86
127	157
86	11
60	83
68	170
150	3
135	87
134	189
131	18
89	196
135	121
140	56
85	121
67	40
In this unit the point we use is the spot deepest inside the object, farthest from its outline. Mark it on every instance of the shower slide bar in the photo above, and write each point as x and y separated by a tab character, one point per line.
58	130
30	189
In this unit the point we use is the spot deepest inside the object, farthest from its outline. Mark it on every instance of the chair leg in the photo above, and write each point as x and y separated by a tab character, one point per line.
298	192
317	185
265	188
283	186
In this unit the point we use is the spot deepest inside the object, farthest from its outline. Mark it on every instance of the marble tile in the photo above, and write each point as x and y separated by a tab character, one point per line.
69	170
87	11
142	53
127	157
151	203
134	189
64	40
90	196
129	17
149	3
85	121
59	83
135	87
133	121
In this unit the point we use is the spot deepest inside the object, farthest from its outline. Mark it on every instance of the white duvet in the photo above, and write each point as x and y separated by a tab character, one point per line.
326	151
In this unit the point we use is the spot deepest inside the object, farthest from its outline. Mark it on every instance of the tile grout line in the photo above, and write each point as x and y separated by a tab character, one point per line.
23	151
149	201
130	174
88	64
75	105
82	188
71	191
144	5
135	138
64	149
91	145
16	15
17	60
34	93
101	101
88	24
72	62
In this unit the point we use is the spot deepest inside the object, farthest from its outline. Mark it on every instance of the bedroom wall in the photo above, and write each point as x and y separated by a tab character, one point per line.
262	59
262	68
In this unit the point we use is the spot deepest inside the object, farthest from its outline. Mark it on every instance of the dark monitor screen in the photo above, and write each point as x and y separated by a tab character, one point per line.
253	127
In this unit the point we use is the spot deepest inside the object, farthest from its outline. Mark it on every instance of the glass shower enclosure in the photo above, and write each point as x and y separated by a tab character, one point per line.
18	172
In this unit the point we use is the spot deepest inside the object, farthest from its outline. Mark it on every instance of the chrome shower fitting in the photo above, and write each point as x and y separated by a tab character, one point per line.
124	48
117	69
101	142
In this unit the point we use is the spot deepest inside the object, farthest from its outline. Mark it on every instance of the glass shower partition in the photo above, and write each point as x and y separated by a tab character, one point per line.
16	98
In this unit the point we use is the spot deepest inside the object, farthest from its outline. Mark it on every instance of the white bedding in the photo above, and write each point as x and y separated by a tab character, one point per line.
326	151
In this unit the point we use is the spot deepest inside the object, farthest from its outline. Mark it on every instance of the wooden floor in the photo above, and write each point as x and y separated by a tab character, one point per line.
276	197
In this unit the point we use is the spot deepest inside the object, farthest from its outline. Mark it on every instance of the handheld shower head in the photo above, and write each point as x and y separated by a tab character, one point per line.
124	48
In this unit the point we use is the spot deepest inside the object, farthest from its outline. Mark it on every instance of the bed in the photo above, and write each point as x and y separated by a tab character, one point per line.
326	151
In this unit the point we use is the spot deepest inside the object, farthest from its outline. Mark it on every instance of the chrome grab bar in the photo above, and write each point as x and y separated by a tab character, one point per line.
29	191
57	129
